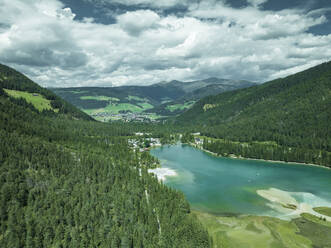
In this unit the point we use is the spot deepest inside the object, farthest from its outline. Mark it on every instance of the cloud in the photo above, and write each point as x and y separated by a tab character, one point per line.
146	3
256	3
44	40
138	21
40	40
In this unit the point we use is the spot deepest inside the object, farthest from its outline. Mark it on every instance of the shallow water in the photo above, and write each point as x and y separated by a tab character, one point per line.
223	185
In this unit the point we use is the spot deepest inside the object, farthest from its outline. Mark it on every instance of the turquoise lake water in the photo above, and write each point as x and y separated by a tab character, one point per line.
223	185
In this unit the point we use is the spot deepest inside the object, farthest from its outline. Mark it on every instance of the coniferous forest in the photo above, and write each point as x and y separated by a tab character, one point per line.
286	119
68	181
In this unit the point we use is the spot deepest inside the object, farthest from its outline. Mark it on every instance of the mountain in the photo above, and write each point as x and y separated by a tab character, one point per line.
20	87
194	91
291	116
151	102
67	181
189	87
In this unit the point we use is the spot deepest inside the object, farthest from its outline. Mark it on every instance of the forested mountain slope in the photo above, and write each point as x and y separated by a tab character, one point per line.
293	114
194	91
75	183
16	83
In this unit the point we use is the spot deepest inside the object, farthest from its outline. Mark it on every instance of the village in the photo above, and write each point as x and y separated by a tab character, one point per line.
145	143
126	117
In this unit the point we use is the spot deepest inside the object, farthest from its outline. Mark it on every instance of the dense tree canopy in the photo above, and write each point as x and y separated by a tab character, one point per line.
293	113
69	182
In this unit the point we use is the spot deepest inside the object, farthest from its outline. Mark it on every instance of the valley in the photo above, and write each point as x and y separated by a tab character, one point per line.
165	124
86	169
145	103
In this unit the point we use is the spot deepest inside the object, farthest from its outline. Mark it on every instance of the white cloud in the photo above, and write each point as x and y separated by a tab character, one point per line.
138	21
184	49
42	39
148	3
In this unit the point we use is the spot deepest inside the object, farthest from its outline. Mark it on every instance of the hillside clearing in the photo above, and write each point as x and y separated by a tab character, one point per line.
37	100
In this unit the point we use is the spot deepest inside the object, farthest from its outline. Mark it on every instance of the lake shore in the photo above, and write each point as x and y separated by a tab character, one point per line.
232	156
251	204
162	173
285	203
263	231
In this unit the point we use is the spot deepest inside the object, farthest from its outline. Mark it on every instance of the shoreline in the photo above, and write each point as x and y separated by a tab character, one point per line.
232	156
285	203
281	201
162	173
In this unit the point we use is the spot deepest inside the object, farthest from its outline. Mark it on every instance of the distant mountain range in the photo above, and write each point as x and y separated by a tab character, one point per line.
193	91
200	85
157	100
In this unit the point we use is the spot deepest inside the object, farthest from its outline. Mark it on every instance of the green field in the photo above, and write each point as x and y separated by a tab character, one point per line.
264	232
37	100
100	98
116	108
323	210
146	105
78	91
154	116
92	111
137	98
179	106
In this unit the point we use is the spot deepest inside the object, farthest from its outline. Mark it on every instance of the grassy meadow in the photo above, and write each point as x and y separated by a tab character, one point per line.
37	100
180	106
267	232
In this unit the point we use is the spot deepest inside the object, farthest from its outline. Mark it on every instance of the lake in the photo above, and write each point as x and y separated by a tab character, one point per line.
236	186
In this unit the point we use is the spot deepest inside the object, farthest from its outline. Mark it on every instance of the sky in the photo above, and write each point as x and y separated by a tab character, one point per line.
77	43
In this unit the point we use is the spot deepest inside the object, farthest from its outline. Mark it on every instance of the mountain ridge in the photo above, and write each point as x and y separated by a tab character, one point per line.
19	87
161	99
294	113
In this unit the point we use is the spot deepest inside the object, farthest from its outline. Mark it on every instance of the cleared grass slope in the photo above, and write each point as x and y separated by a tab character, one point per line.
37	100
